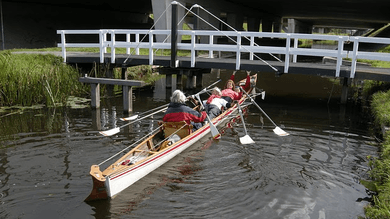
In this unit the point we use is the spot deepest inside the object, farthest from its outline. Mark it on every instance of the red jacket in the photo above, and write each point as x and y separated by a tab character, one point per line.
177	112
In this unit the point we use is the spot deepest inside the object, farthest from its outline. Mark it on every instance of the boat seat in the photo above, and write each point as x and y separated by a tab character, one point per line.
171	127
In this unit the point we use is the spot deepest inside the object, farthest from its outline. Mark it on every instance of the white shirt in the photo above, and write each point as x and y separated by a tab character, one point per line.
219	102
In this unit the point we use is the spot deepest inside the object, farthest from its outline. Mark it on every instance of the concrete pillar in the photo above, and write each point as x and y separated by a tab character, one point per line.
295	26
278	24
266	24
164	17
253	24
235	20
211	25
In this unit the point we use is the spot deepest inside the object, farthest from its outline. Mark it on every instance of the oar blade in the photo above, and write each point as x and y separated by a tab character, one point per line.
246	140
214	131
129	118
280	131
110	132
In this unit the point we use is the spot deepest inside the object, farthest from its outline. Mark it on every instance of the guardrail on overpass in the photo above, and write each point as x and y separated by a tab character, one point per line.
240	43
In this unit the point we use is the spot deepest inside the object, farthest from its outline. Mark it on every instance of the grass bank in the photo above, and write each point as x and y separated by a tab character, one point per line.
28	79
380	166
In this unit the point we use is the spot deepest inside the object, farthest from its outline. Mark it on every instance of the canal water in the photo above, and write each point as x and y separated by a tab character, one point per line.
46	154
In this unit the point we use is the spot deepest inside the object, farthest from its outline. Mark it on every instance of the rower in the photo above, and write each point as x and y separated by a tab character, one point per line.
178	111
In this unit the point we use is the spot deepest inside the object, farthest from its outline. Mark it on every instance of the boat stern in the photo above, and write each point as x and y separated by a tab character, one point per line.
99	190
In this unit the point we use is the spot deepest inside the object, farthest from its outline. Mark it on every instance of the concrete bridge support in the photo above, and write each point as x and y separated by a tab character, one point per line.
162	15
253	24
295	26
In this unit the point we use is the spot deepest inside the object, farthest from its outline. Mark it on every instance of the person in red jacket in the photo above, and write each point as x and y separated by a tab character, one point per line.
230	93
178	111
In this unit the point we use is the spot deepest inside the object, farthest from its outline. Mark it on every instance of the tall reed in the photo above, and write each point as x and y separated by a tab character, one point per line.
27	79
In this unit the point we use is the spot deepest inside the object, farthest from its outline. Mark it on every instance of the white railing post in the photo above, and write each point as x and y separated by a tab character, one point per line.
102	46
137	42
295	56
252	44
63	45
104	41
112	46
287	56
238	53
339	57
151	48
354	56
211	42
128	41
193	42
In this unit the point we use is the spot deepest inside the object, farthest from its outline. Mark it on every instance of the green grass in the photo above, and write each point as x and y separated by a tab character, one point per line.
28	79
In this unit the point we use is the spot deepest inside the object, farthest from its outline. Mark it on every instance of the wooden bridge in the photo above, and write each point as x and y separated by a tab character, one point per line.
240	45
234	50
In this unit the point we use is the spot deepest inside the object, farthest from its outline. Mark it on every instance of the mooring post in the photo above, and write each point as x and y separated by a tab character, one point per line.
174	35
95	96
199	79
127	98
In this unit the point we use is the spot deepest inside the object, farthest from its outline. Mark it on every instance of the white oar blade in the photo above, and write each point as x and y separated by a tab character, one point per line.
214	131
110	132
129	118
280	132
246	140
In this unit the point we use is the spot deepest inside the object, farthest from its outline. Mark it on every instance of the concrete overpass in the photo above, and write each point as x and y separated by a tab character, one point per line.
33	23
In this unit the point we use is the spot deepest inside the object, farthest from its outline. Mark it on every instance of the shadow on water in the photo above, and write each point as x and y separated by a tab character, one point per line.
46	154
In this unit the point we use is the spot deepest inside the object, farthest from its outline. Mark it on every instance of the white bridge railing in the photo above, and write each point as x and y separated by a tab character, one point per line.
236	46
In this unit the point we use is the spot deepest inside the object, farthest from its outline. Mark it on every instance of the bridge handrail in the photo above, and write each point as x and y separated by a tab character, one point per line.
235	45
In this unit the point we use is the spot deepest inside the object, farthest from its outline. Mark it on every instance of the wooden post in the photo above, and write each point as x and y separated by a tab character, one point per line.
127	98
199	78
179	78
168	80
95	96
96	119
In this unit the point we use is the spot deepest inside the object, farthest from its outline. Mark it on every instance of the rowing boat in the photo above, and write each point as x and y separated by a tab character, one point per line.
154	150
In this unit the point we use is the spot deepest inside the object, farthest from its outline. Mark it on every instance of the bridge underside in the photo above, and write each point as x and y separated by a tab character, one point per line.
33	24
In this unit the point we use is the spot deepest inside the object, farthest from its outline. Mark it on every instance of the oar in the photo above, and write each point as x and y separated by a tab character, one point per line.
133	117
214	131
246	139
136	116
113	131
276	130
116	130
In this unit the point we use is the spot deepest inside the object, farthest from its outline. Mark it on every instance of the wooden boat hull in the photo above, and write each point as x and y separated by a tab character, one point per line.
118	177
